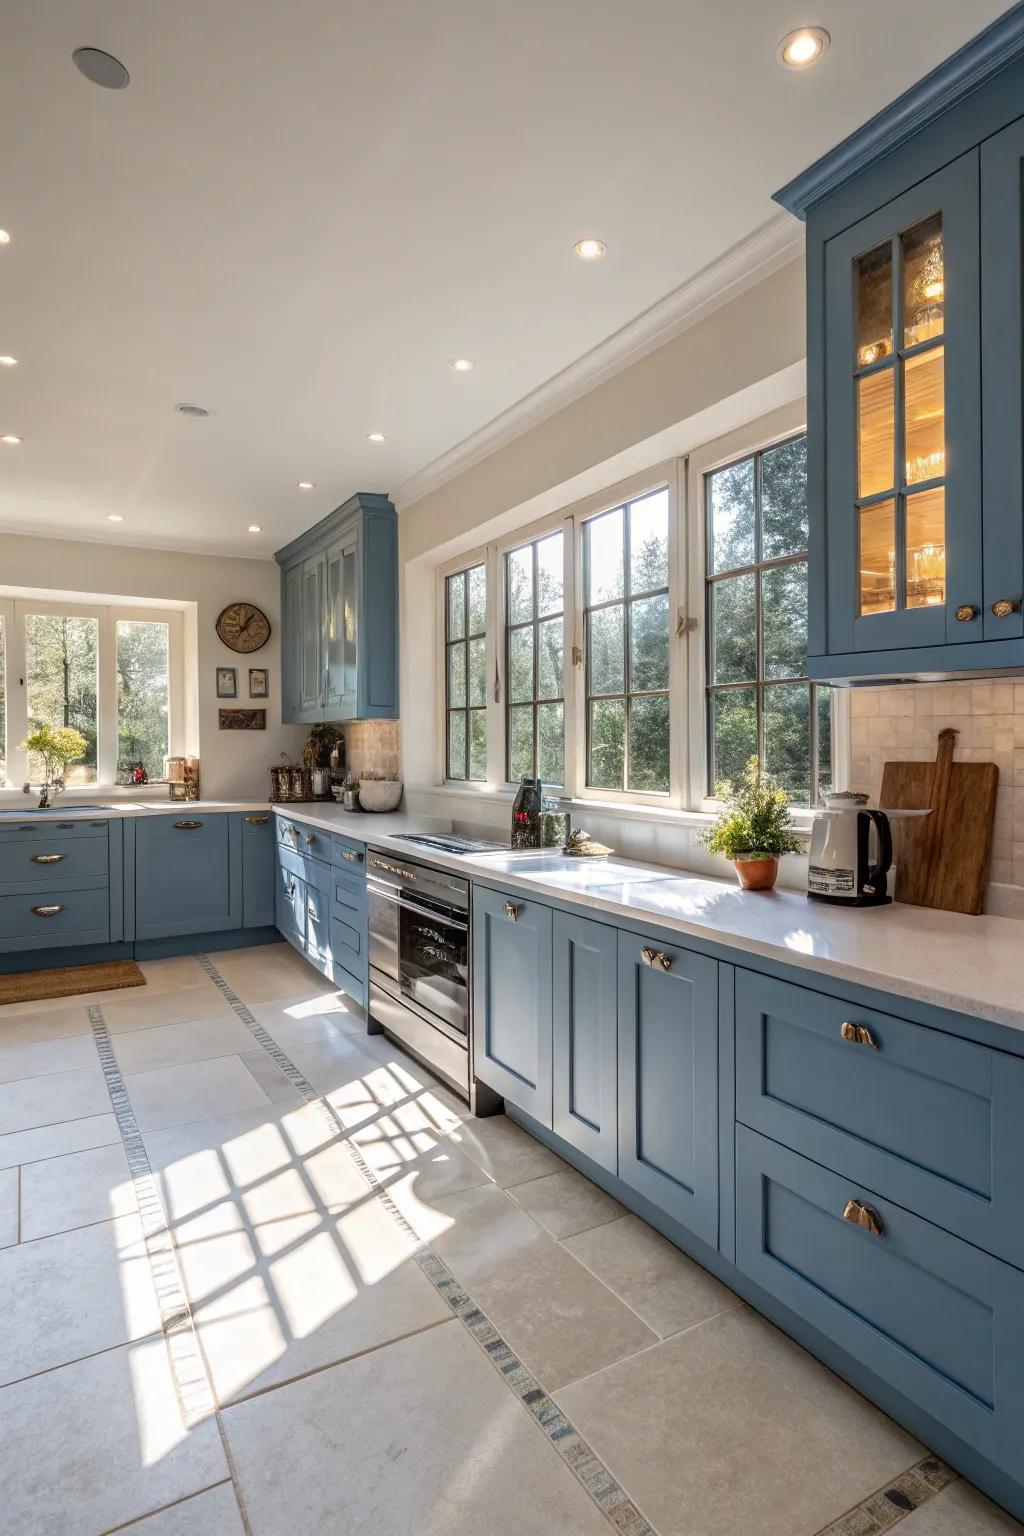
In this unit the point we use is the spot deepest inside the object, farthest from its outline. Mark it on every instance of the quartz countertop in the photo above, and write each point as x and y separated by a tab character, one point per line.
118	810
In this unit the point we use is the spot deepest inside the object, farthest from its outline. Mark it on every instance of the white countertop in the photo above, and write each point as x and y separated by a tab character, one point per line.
973	965
116	810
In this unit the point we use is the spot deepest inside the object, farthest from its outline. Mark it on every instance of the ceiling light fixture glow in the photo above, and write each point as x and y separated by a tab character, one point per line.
461	365
307	485
804	47
5	238
10	439
185	409
114	517
590	250
255	528
7	361
376	437
101	68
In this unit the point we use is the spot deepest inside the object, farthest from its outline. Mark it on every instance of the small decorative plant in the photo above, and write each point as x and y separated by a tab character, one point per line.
754	827
317	751
57	748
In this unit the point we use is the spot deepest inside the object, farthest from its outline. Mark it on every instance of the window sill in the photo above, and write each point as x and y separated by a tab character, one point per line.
12	794
582	806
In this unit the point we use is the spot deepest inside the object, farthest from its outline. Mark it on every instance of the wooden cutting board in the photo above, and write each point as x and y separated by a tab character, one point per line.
944	857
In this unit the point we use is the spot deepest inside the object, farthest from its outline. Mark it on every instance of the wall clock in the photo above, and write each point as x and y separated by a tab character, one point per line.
243	627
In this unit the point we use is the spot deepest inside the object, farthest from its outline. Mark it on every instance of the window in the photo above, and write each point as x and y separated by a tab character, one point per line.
114	675
534	670
626	623
466	673
758	700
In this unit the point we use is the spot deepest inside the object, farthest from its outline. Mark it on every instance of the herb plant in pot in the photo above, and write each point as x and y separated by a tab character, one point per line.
754	828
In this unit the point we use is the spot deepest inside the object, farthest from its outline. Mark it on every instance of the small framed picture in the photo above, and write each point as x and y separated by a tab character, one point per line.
227	683
259	683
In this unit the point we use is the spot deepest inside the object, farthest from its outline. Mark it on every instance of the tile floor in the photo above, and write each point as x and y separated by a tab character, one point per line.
344	1259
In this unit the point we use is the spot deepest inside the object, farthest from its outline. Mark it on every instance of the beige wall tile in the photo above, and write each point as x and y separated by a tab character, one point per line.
863	703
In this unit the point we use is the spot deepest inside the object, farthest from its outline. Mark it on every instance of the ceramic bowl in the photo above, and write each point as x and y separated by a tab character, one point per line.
380	794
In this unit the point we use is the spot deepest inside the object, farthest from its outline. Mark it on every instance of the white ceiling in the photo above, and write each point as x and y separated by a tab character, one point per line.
298	212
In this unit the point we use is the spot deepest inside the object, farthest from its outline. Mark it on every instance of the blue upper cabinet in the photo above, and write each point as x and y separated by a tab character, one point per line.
914	343
339	605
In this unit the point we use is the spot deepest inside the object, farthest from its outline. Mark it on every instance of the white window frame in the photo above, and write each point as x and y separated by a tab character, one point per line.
14	611
465	562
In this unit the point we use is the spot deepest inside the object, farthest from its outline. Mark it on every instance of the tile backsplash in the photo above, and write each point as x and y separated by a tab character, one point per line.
904	722
373	746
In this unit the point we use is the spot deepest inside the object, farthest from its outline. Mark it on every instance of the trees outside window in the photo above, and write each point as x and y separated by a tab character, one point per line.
61	683
143	694
534	661
466	674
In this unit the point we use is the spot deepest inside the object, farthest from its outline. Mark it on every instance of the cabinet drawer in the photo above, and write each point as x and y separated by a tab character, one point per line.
348	946
51	858
303	839
312	871
41	920
349	982
347	853
349	890
935	1317
934	1122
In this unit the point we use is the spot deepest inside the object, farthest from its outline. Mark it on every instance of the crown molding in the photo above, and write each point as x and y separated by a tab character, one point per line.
983	57
739	268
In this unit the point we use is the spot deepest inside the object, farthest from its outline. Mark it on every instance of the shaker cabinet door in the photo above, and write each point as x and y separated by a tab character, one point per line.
585	1069
312	639
341	628
512	999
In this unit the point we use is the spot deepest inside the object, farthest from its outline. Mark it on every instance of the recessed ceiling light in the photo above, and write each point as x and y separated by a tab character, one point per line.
377	437
7	361
101	68
114	517
307	485
10	439
804	47
461	365
5	238
184	409
255	528
590	250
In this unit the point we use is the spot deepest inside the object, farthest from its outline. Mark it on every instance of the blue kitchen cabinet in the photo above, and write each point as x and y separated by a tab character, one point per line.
55	887
339	606
585	1065
512	982
290	903
320	901
668	1080
257	869
188	874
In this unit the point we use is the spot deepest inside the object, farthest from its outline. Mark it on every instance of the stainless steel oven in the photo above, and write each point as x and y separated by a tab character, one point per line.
419	954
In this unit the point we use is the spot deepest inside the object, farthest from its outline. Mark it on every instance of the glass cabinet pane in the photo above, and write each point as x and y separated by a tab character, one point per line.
926	549
350	637
878	557
874	305
924	281
924	407
876	433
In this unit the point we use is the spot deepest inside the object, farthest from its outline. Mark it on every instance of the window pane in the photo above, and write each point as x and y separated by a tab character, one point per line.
549	659
457	606
824	703
878	558
648	743
3	704
924	390
784	616
923	281
477	600
478	671
520	742
876	433
787	738
926	549
607	650
520	664
60	661
733	734
143	694
648	643
456	743
607	743
648	543
478	744
551	743
550	565
604	557
734	630
731	516
784	500
457	674
874	305
519	566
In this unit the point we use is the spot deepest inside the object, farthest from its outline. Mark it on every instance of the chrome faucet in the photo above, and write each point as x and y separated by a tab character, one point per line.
47	792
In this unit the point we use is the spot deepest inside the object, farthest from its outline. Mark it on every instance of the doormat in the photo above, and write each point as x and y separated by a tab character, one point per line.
70	981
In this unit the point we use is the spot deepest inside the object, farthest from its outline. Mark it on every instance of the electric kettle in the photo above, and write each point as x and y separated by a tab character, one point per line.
850	853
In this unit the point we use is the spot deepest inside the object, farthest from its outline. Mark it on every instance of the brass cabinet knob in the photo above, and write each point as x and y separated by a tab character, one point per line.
256	821
864	1216
859	1034
655	959
186	826
966	612
351	856
47	911
512	911
47	858
1005	606
310	837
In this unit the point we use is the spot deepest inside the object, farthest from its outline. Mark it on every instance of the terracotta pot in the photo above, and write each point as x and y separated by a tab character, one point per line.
757	874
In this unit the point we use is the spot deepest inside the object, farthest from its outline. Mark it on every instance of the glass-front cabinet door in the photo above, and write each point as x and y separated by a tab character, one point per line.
342	628
903	482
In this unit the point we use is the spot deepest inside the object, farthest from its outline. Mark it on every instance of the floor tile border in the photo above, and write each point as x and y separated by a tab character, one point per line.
887	1506
587	1467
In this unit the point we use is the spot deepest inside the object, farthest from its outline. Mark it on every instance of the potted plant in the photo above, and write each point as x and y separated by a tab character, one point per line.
753	829
57	748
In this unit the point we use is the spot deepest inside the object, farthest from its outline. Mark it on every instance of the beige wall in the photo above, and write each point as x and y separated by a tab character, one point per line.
233	763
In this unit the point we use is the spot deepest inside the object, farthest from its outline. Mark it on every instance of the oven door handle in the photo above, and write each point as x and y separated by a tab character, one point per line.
414	906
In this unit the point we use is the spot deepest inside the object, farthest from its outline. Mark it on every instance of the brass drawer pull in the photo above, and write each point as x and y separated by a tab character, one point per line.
291	889
353	858
256	821
47	911
310	838
186	826
859	1034
512	911
47	858
864	1216
966	612
655	959
1005	606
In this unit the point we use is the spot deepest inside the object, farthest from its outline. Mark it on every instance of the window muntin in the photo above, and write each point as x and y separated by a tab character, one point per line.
534	660
465	672
758	698
62	683
626	627
143	696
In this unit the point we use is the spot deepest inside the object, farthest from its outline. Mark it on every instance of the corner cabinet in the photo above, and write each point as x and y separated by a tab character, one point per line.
915	341
339	606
